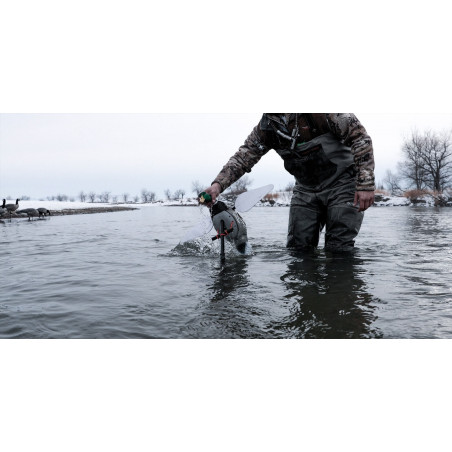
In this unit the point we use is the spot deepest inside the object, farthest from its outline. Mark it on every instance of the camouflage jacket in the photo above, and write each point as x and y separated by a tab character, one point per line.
275	130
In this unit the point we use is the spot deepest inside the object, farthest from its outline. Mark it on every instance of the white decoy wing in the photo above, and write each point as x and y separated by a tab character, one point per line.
247	200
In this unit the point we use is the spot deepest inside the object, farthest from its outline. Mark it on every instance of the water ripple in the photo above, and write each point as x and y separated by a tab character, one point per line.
126	276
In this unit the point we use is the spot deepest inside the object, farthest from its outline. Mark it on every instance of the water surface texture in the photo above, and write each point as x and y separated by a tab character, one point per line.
123	275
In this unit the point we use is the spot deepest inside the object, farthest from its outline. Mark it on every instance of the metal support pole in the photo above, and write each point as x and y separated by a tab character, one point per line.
222	255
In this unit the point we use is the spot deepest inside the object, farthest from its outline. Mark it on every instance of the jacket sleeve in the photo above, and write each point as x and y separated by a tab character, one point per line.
351	132
244	159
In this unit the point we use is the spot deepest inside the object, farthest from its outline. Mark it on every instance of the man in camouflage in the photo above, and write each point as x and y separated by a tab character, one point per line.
331	157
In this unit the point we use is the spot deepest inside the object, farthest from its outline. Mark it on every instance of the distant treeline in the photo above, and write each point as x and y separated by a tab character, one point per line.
146	196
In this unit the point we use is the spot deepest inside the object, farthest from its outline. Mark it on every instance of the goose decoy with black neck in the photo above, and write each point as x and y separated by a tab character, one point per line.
2	210
10	208
43	211
29	212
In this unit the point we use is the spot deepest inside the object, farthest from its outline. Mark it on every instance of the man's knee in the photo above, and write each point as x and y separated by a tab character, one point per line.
304	228
343	225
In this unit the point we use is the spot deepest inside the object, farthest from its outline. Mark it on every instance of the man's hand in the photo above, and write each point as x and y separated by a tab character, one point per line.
364	199
214	190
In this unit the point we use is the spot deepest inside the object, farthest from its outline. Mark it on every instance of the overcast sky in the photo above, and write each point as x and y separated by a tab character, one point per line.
50	154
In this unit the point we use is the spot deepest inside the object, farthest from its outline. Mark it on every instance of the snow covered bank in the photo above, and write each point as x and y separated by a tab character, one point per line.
58	205
426	200
57	208
392	201
281	201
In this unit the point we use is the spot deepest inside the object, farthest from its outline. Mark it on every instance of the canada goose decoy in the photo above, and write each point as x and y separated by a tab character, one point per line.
12	207
43	212
2	210
29	212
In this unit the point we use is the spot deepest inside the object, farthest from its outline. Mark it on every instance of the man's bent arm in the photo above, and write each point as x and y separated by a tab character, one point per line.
244	159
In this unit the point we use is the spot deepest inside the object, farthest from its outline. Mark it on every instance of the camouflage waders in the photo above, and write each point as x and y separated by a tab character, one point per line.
323	195
332	207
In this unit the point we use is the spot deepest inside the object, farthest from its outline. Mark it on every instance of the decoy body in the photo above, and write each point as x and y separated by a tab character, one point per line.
29	212
43	211
12	207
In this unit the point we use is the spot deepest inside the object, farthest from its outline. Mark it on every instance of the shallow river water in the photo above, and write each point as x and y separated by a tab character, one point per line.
124	275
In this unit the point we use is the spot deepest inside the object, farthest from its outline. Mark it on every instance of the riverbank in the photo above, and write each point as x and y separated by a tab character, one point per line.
58	208
65	209
89	210
425	200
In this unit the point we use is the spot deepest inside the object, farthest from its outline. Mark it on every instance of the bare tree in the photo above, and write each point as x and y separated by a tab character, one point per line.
92	196
412	168
136	198
241	185
290	186
147	196
144	196
82	196
167	193
428	160
105	197
197	187
437	159
379	185
179	193
125	197
392	183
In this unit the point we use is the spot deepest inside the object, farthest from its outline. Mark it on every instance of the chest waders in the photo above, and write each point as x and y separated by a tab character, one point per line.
323	195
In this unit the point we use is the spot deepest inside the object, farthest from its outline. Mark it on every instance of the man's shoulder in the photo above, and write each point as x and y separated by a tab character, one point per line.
269	118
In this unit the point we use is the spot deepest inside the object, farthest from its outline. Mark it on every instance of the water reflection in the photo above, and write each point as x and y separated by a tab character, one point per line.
231	278
425	224
328	298
231	309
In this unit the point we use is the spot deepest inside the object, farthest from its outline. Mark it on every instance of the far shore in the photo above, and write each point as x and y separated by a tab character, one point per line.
60	208
75	211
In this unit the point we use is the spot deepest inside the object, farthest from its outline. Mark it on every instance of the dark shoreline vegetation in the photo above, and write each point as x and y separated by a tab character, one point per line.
79	211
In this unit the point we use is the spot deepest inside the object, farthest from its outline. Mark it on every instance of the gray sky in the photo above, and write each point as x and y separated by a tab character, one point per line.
48	154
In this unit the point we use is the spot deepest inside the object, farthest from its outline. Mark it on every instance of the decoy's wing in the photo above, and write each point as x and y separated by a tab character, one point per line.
247	200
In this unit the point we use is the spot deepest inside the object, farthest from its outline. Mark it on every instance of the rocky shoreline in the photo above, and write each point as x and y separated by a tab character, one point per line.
79	211
88	210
